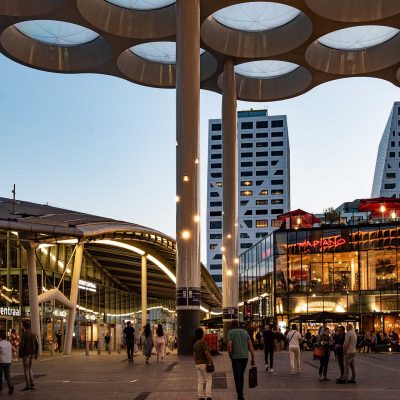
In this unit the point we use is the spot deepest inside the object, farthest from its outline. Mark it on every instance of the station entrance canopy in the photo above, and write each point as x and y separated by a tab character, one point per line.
114	246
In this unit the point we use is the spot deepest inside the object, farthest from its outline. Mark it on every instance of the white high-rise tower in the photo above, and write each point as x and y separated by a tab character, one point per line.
387	170
263	186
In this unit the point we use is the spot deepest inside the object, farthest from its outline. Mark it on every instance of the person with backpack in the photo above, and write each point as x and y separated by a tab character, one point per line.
202	358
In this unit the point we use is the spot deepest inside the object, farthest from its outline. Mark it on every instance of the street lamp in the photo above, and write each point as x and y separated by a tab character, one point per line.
382	209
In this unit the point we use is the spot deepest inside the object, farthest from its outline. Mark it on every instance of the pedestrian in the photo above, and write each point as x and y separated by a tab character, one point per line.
148	342
324	341
350	351
15	341
293	339
5	362
59	340
269	338
321	329
161	341
339	342
129	335
107	339
202	357
28	350
239	345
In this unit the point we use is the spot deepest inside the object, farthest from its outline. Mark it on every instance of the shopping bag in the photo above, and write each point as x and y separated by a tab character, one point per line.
318	352
252	377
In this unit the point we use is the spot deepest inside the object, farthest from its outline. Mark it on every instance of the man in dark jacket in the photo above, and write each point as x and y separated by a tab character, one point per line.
269	346
28	349
339	341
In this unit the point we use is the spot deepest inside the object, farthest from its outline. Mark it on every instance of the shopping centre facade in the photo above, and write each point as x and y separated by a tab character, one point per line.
126	269
332	272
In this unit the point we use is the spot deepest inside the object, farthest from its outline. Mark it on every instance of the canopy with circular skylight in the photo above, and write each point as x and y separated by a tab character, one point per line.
161	52
256	16
142	4
56	32
358	37
265	69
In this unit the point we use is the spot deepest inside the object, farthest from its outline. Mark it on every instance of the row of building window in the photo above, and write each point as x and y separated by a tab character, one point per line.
259	135
247	164
250	145
263	192
250	124
259	223
245	203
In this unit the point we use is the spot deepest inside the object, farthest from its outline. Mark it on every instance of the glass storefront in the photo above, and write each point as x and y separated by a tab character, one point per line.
345	272
103	307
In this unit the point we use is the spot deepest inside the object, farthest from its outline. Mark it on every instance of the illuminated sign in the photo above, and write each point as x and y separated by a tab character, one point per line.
85	285
321	243
10	311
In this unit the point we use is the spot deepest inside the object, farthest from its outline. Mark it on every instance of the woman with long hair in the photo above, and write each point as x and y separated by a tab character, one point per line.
161	341
148	342
202	357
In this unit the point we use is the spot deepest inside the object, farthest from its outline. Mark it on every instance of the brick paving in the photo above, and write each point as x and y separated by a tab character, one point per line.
80	377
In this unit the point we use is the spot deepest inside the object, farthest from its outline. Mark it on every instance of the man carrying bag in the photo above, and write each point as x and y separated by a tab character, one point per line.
239	345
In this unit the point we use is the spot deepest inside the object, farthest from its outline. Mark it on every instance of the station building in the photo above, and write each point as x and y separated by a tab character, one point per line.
120	260
315	272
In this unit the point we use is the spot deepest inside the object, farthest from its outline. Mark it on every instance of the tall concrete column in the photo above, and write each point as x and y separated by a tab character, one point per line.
33	293
144	290
187	171
230	273
76	274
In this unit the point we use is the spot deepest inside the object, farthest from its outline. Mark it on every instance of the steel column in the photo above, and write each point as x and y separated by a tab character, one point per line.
144	290
76	274
187	171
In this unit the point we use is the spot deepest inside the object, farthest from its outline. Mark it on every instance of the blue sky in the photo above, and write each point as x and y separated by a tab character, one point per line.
102	145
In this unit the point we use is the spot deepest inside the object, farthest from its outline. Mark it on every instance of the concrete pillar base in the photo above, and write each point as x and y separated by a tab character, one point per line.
188	321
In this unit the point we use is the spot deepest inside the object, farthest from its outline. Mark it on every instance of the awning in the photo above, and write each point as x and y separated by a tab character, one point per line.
325	316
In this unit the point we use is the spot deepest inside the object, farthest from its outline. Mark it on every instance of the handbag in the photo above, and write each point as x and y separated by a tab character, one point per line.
252	377
210	368
318	352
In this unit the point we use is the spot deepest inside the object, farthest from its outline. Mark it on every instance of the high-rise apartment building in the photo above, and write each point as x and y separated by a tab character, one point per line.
263	181
387	169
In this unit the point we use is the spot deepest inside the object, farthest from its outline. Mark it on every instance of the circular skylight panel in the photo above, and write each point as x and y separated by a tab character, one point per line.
161	52
358	37
265	69
256	16
142	4
56	32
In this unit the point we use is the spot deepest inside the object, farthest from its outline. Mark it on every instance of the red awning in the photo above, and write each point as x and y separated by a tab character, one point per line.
379	206
306	218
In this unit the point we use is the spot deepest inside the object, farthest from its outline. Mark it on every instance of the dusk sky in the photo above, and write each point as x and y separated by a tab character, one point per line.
105	146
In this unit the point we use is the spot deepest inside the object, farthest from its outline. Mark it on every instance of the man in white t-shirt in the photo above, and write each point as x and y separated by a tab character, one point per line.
5	362
294	338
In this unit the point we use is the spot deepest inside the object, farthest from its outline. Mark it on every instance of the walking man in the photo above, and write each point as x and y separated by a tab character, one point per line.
28	350
339	342
350	351
5	362
129	333
269	346
293	338
239	345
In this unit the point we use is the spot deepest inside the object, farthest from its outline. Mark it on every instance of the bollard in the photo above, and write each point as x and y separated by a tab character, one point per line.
109	349
52	348
119	348
87	348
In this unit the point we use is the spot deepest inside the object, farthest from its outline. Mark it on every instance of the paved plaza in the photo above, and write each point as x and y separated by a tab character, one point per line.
110	377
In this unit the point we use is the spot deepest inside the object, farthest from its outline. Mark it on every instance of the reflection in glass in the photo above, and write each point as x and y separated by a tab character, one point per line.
358	37
256	16
56	32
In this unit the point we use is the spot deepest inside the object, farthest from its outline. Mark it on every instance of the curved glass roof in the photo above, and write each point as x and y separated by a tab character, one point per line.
358	37
256	16
161	52
265	69
142	4
56	32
